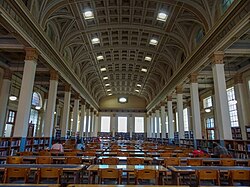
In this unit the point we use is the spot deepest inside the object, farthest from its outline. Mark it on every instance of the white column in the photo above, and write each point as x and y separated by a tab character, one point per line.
221	102
154	124
57	114
130	125
195	106
87	121
163	120
113	125
49	120
148	117
4	96
66	108
91	122
82	119
170	119
96	123
151	125
180	112
24	104
241	107
157	113
75	114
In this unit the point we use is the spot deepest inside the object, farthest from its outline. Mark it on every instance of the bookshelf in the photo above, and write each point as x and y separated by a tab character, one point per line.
238	148
9	146
236	133
36	143
248	132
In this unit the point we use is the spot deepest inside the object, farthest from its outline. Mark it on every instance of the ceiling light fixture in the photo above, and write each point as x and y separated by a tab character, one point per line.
103	69
88	15
108	90
110	94
137	91
162	16
100	57
144	70
147	58
95	40
107	84
105	78
207	110
153	42
122	99
13	98
139	85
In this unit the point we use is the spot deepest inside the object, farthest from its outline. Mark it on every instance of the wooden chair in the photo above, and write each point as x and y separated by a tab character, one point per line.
166	154
239	175
16	173
226	156
73	160
44	153
26	153
110	161
49	174
109	173
227	162
126	154
194	162
88	153
146	174
133	161
14	160
171	161
44	160
182	155
208	175
70	153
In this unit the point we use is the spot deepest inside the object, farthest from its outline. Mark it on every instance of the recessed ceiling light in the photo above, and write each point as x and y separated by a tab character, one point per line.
153	42
105	78
162	16
137	91
147	58
110	94
95	41
122	100
108	90
107	84
144	70
139	85
103	69
88	15
100	57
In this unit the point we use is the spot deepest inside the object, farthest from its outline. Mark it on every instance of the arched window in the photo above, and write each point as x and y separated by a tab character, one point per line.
226	4
199	36
36	100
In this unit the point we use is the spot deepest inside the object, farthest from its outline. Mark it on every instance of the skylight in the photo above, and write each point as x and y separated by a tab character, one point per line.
95	41
139	85
108	90
88	15
147	58
137	91
100	57
144	70
105	78
110	94
162	16
103	69
107	84
153	42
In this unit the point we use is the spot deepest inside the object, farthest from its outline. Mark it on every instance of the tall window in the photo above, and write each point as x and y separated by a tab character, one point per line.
207	102
166	124
210	128
185	119
226	4
122	124
232	107
105	124
139	124
176	122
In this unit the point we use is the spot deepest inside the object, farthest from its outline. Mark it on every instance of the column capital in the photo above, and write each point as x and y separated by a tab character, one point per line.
218	57
179	89
238	78
54	75
113	115
67	87
150	113
95	112
87	106
91	109
163	103
169	98
83	101
193	77
153	110
7	74
31	53
77	96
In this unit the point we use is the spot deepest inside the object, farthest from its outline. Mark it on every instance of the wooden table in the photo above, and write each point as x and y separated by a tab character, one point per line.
178	170
44	185
124	158
102	185
139	154
75	168
93	169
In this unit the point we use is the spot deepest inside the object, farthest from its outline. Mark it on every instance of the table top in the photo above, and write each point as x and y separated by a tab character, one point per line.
127	167
125	158
194	168
101	185
124	150
30	185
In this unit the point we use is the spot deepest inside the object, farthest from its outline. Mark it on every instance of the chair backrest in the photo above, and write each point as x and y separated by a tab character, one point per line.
120	153
204	155
44	153
171	161
135	161
110	161
182	155
73	160
49	173
109	173
227	162
146	174
88	153
16	173
208	175
26	153
14	160
70	153
166	154
194	162
225	156
239	175
44	160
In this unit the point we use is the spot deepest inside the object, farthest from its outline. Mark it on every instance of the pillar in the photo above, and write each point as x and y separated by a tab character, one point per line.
96	123
180	111
195	106
87	121
154	124
131	126
24	104
241	109
221	102
75	114
148	117
66	109
49	119
91	122
81	134
163	120
113	125
170	119
4	96
157	114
